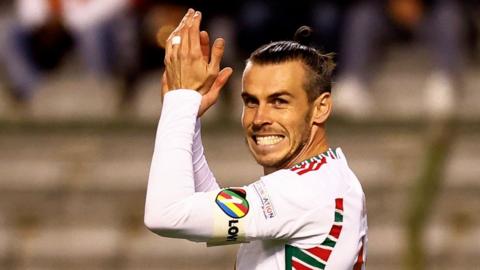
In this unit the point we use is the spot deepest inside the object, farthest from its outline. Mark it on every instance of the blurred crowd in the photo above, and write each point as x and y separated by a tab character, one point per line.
122	39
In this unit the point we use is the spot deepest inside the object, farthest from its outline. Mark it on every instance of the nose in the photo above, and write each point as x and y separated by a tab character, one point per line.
262	116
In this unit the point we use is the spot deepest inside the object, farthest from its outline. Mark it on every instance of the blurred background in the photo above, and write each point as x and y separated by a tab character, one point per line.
79	103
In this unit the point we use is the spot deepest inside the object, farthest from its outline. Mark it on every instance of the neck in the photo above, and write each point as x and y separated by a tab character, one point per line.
316	145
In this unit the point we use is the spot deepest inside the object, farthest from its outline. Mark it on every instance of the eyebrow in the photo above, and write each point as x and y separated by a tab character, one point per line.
280	93
245	94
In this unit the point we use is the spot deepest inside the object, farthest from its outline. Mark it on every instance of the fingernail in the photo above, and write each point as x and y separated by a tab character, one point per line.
220	43
190	11
197	13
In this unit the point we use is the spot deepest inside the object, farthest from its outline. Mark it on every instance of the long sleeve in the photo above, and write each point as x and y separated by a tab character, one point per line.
171	178
204	178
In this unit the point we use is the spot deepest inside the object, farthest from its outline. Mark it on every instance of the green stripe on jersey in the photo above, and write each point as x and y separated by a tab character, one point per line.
328	242
291	252
338	217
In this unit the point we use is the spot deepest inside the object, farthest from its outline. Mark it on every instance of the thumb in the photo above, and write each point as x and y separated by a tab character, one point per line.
217	51
212	95
221	80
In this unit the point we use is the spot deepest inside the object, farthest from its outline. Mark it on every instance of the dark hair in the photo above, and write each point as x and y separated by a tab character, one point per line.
319	65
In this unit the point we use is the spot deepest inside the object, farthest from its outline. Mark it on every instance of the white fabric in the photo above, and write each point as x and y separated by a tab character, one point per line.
32	13
285	208
176	40
80	15
203	176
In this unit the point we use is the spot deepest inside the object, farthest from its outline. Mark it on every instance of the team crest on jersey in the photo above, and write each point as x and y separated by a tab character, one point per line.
233	202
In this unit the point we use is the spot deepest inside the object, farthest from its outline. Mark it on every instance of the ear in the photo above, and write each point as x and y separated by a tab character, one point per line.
322	107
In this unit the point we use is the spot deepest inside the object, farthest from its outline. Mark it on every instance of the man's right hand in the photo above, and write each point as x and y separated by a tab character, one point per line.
191	64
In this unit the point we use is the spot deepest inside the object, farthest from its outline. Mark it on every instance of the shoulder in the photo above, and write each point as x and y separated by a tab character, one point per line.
323	170
324	176
286	189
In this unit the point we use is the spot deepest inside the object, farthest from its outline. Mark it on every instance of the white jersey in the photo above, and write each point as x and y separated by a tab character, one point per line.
310	216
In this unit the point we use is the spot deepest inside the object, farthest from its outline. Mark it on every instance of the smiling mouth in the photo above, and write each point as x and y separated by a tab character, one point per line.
268	140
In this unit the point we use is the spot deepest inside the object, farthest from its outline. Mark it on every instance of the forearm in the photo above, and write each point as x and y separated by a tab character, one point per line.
204	178
171	172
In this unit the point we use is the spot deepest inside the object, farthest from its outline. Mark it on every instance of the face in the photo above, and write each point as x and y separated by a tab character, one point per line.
276	114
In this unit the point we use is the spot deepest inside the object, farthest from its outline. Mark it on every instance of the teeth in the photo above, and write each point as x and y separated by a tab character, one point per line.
268	140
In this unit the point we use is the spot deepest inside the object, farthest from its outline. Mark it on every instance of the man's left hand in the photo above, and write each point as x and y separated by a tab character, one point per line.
190	64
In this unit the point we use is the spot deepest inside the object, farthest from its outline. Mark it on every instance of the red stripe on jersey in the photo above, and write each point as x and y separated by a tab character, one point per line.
339	204
308	169
332	154
299	167
302	172
317	166
298	266
358	265
321	253
323	161
335	231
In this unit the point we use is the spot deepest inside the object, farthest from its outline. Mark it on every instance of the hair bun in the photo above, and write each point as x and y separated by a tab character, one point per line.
303	35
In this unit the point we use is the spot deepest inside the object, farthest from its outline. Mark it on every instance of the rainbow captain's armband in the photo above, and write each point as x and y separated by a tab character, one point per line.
230	217
233	202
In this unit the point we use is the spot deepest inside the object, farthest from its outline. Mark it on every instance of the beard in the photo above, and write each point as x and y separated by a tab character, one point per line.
286	160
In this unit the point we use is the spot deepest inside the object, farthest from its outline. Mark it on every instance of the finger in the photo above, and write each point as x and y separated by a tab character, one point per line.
195	34
216	54
185	43
176	31
205	45
180	25
221	80
173	48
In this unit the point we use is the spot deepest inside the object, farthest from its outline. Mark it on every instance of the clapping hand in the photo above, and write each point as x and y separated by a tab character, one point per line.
191	64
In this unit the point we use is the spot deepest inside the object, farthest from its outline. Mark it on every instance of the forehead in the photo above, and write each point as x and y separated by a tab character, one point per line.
266	79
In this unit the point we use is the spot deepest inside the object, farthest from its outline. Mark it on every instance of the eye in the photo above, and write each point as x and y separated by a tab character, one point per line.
279	101
250	102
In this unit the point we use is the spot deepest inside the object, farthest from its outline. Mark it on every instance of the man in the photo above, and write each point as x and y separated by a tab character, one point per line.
308	211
